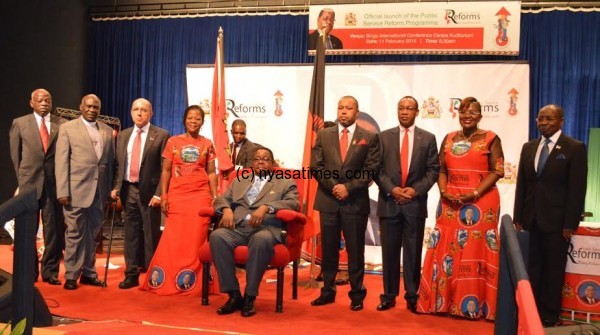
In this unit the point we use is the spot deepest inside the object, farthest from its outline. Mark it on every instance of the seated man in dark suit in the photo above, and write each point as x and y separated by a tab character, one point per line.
248	208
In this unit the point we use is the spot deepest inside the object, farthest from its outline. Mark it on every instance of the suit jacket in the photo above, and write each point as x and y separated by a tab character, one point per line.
33	166
151	162
555	199
588	301
245	155
277	193
79	173
422	173
328	169
313	37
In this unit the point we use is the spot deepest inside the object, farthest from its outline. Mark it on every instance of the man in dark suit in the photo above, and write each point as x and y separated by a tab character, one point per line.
248	208
471	311
84	172
325	23
344	160
137	182
186	282
549	201
469	218
589	296
409	168
32	148
241	149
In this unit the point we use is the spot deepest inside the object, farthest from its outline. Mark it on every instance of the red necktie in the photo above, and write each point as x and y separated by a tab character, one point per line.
344	144
234	155
134	165
44	134
404	157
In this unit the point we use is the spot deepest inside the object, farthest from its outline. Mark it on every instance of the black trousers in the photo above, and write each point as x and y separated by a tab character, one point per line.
53	222
546	268
401	233
142	231
353	226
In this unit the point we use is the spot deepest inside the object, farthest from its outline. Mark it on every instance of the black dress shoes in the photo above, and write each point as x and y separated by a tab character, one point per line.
52	281
411	306
385	305
90	281
70	284
234	303
356	305
128	283
248	308
323	300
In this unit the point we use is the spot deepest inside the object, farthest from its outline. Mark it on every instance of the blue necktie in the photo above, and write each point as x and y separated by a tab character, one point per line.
254	190
543	157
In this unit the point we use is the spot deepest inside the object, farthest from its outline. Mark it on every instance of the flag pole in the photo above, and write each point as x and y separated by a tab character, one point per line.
219	117
314	124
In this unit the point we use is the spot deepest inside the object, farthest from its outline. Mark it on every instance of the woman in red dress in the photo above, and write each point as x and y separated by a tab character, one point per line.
460	271
188	182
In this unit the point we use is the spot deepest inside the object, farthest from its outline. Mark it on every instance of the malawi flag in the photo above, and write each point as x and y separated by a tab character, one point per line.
314	123
219	117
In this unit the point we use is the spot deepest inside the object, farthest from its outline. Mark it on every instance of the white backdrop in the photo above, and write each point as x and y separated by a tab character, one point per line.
273	100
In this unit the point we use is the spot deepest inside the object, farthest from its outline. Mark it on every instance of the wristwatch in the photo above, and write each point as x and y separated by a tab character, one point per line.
271	209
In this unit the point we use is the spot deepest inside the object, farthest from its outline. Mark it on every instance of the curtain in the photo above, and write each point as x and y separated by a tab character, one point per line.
147	58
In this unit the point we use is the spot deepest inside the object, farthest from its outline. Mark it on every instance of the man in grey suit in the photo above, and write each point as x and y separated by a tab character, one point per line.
84	171
137	182
32	148
344	160
248	208
409	168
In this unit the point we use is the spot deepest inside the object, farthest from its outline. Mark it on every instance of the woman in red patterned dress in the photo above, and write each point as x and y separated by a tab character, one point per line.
460	271
188	182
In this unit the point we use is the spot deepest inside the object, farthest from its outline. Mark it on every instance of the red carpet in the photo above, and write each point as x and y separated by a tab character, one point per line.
133	311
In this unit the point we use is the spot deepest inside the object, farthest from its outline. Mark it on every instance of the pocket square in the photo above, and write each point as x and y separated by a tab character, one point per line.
361	142
561	156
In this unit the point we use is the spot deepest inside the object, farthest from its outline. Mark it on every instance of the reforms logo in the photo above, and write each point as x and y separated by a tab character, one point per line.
453	17
242	110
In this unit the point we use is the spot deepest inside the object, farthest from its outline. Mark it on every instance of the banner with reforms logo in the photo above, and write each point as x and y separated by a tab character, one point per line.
581	289
273	101
486	27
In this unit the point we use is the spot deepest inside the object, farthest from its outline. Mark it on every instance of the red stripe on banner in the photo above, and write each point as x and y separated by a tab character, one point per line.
316	113
219	117
411	38
529	320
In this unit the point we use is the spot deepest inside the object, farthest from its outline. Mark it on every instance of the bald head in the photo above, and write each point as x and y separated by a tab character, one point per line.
90	107
41	102
141	112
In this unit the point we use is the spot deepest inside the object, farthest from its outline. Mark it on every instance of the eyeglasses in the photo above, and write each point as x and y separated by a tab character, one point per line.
262	159
410	109
545	118
469	113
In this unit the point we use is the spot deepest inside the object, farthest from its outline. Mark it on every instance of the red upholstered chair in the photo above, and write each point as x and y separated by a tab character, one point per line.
284	253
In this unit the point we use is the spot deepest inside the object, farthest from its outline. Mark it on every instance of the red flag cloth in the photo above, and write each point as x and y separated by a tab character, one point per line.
219	117
316	114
